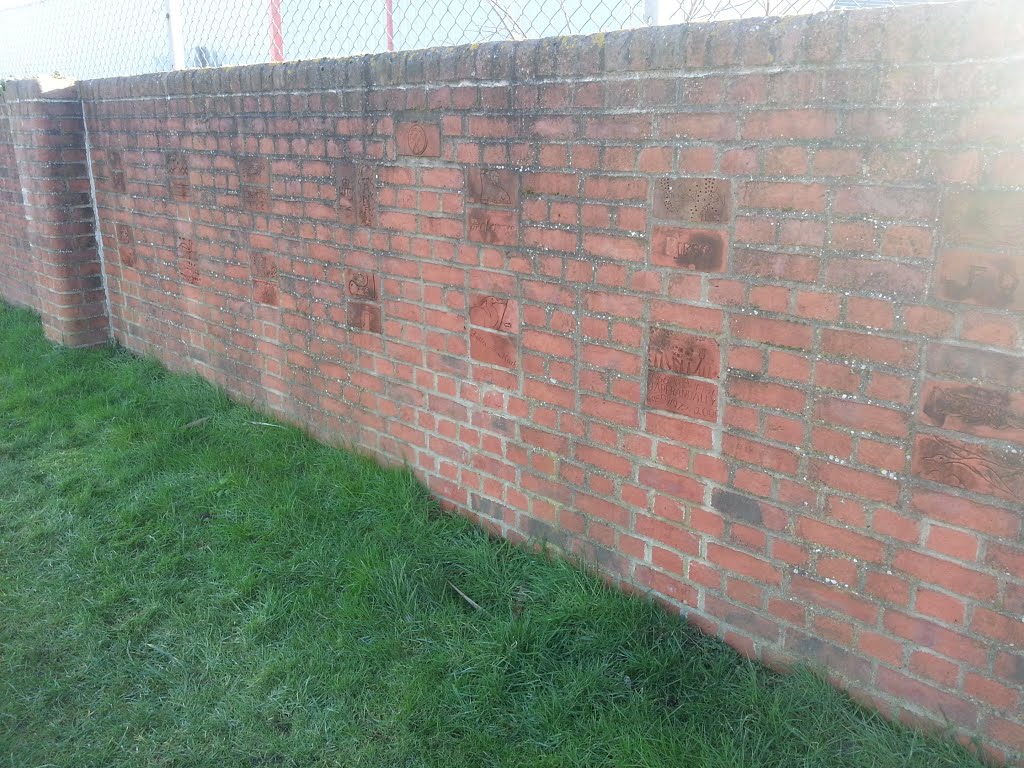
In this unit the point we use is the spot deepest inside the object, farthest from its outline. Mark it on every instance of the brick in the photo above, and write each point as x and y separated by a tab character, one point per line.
956	544
886	202
1005	557
854	481
780	266
937	669
697	125
666	585
945	608
703	250
742	563
672	483
418	139
927	634
840	539
927	321
838	162
790	124
965	513
945	574
861	416
872	348
979	468
783	196
973	277
998	626
991	692
834	599
684	353
981	366
737	506
742	618
782	333
683	395
986	220
869	275
990	329
767	394
882	648
939	702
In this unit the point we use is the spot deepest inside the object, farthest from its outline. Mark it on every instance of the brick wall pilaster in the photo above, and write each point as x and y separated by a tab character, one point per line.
48	137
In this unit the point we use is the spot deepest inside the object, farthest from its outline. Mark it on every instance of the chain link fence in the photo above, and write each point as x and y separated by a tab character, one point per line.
102	38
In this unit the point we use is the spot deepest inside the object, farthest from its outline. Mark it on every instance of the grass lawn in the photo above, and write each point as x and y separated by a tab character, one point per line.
223	593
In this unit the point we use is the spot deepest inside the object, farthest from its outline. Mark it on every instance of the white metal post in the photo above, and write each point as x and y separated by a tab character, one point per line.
174	34
651	13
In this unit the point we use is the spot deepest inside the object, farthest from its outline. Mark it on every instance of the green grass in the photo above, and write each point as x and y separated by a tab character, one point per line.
232	594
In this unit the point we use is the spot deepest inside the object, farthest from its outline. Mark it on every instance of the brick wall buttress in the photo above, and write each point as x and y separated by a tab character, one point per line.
47	133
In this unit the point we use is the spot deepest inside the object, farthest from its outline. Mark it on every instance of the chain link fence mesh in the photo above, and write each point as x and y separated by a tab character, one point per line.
102	38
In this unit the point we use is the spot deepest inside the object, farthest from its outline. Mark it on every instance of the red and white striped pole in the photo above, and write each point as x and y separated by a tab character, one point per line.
389	24
276	35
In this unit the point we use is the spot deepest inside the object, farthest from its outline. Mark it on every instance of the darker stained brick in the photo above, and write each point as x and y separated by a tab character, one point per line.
736	506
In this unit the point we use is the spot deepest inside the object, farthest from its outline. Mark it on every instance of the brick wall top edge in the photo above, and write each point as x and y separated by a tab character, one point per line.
48	88
960	29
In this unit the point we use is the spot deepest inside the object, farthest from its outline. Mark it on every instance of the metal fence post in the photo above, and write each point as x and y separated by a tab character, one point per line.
651	12
174	35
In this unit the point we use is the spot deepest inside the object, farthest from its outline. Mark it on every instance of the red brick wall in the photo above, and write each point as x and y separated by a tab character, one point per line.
733	311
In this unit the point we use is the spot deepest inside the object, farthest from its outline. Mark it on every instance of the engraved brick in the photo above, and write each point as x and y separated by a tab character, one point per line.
263	266
418	139
975	410
181	190
492	348
253	169
361	285
494	313
188	267
346	180
357	194
493	187
984	219
255	198
703	200
126	245
684	353
703	250
981	278
683	395
363	317
493	227
979	468
177	164
265	292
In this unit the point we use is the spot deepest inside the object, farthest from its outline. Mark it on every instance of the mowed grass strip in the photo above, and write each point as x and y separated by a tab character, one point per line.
182	587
